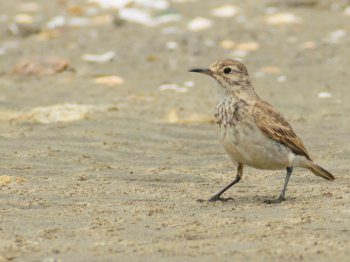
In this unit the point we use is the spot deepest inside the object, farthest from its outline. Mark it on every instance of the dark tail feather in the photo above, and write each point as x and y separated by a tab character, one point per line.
319	171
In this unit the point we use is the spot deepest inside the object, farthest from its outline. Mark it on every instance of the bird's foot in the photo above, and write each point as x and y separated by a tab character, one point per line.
275	201
215	198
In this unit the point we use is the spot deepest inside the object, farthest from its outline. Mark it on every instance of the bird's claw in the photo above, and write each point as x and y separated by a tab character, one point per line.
275	201
215	198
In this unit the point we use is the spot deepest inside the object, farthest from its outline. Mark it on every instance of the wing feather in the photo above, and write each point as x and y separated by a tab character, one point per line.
272	122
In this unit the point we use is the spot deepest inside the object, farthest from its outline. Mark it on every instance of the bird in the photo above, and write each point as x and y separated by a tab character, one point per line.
252	132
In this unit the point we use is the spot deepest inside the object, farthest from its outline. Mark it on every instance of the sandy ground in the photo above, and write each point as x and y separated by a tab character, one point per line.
121	186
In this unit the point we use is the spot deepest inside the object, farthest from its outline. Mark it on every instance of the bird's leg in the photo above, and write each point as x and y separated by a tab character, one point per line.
282	198
217	196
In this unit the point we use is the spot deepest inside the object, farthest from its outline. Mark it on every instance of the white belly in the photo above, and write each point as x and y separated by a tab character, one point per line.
247	144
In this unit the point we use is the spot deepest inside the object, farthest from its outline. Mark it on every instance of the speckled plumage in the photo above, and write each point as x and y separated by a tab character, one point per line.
253	132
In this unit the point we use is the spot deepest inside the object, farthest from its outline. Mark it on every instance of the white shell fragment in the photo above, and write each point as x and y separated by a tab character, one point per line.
139	11
56	21
338	33
105	4
174	87
109	80
14	28
239	53
142	17
172	45
199	23
80	21
281	79
154	4
136	16
224	11
99	58
189	83
347	11
168	18
67	112
23	19
324	95
61	113
334	36
117	4
168	86
282	18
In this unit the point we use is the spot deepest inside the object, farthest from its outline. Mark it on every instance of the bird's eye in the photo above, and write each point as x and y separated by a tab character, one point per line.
227	70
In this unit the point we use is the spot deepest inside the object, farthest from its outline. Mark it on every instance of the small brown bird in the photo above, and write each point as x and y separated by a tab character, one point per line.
253	132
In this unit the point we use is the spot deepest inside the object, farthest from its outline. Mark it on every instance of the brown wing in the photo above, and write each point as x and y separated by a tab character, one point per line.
276	127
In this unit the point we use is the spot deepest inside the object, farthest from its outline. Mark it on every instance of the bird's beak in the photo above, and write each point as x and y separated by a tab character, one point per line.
202	71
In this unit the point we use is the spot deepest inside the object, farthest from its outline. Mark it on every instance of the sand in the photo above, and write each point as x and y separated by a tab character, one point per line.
120	185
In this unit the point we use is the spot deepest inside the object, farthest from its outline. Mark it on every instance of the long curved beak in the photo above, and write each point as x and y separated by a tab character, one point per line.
202	71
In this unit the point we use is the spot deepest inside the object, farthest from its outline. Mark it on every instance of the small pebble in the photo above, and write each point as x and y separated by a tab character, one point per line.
281	79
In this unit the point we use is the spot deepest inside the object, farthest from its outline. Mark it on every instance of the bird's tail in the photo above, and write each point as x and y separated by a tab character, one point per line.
319	171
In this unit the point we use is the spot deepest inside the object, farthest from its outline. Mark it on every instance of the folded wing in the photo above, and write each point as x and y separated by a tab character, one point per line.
272	122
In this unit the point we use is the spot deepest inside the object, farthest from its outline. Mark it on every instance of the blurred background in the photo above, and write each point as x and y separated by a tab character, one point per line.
107	140
135	54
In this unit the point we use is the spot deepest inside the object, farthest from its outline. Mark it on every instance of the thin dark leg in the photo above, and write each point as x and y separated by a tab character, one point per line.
289	173
217	196
282	198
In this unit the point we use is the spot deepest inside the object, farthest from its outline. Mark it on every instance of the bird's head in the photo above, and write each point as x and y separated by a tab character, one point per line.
228	75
